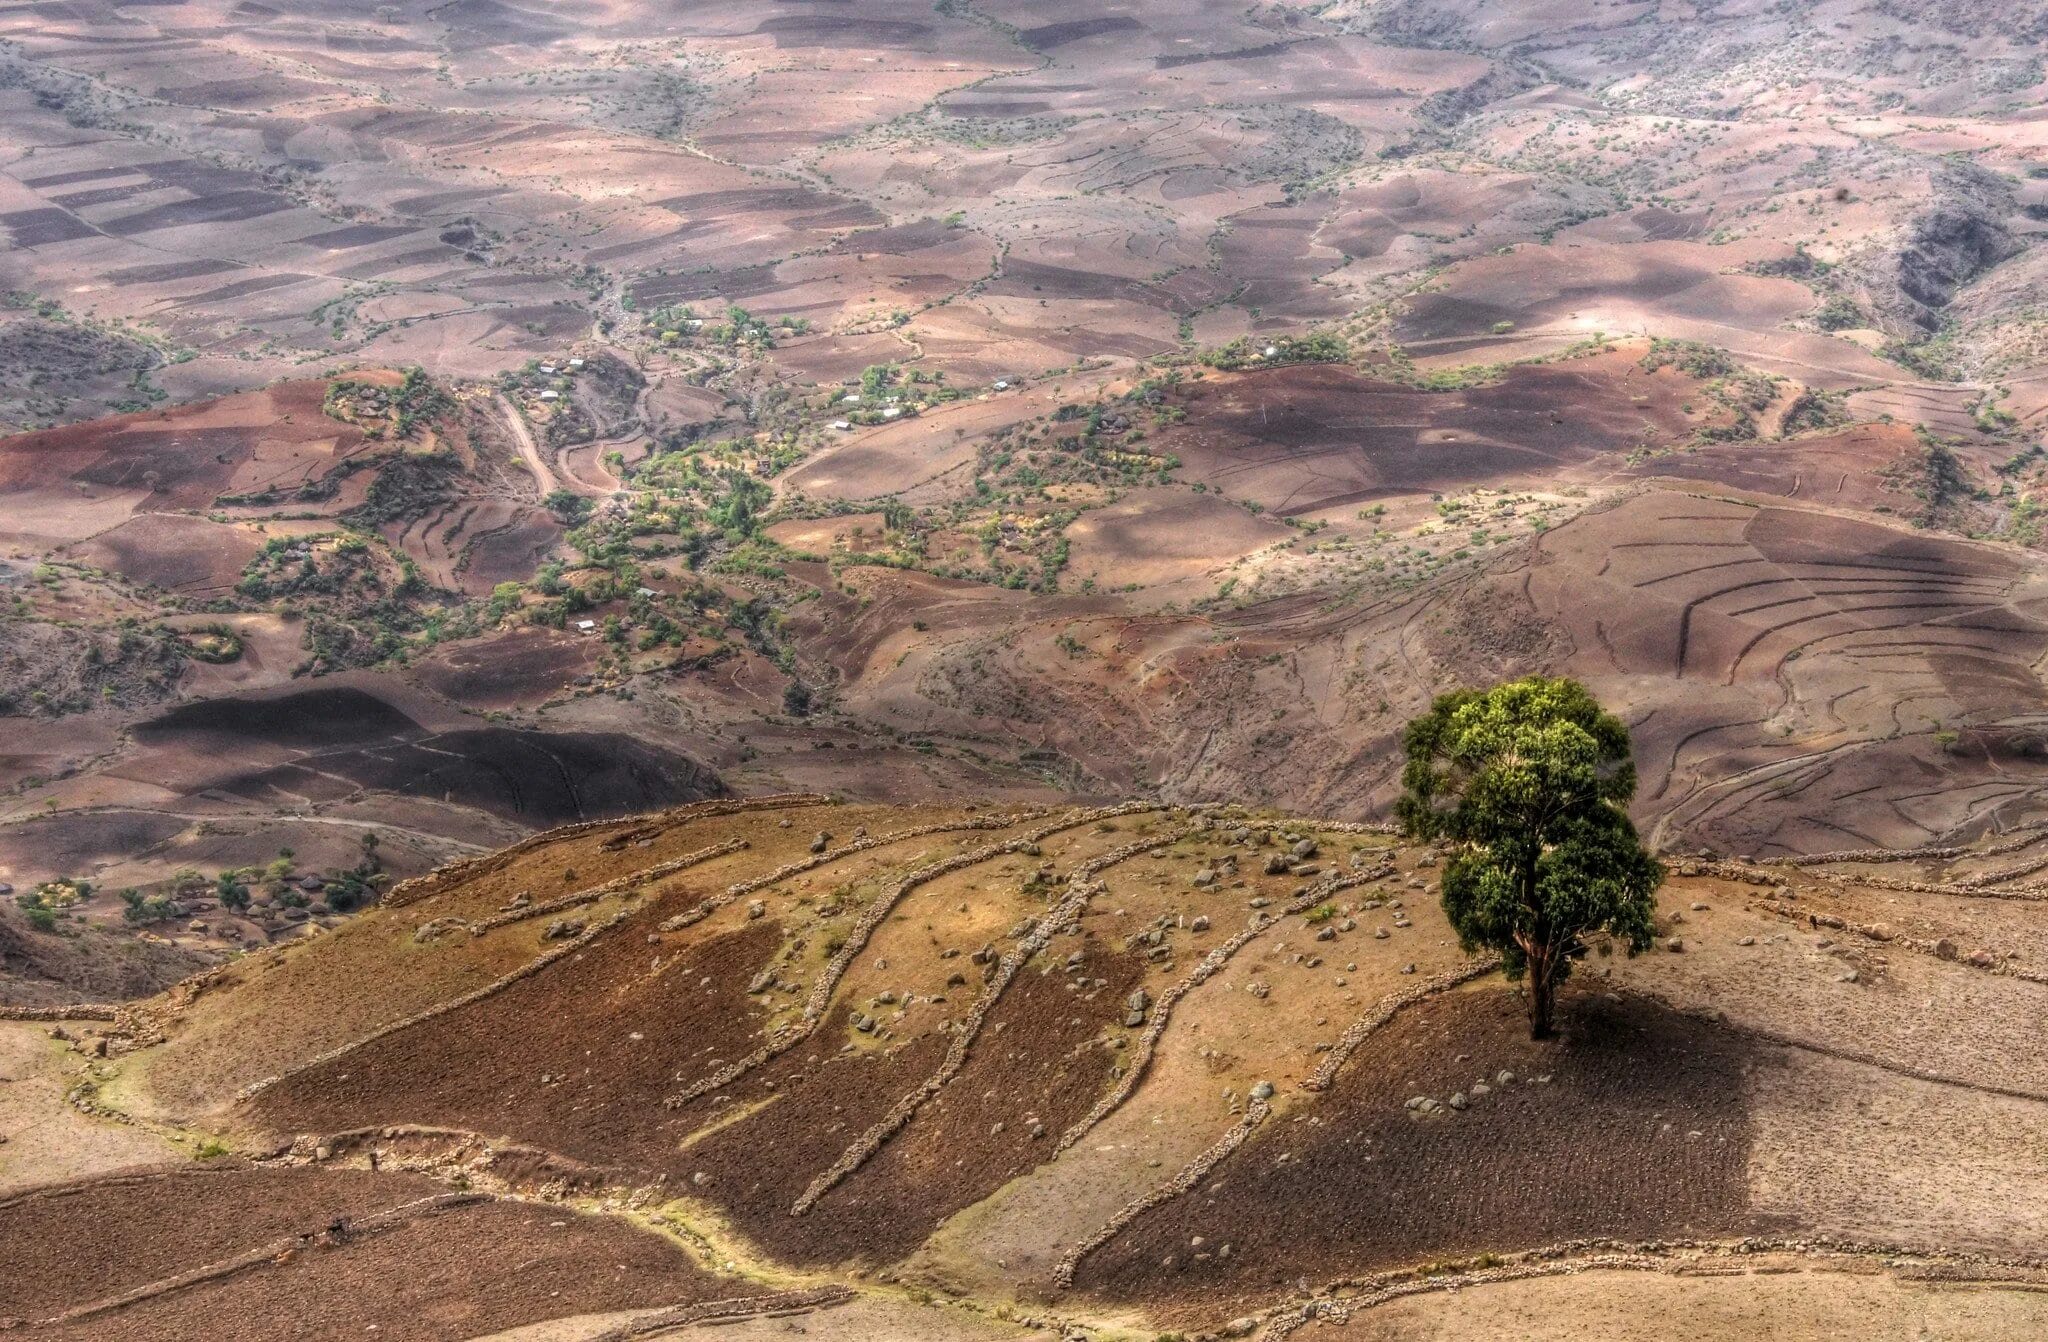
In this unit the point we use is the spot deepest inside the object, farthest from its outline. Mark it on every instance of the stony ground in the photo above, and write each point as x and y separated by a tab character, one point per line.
1129	1069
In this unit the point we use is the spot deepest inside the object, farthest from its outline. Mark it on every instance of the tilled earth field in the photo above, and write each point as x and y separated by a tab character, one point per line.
1633	1126
318	1254
1091	1064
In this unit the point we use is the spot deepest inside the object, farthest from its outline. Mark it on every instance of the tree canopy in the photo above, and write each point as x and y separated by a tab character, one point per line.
1526	786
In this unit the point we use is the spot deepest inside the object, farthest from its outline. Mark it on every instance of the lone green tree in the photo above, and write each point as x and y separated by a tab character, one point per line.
1526	786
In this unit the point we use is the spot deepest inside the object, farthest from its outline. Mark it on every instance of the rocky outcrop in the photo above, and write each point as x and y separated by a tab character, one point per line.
1964	231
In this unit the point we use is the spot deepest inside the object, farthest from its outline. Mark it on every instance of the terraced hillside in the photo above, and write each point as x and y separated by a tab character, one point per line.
964	1072
1010	398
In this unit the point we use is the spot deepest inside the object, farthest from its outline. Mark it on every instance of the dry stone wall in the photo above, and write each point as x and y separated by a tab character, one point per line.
1081	887
864	844
1148	1042
616	886
820	998
525	971
452	874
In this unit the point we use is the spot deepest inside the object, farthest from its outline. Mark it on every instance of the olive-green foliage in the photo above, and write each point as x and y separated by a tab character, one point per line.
1526	785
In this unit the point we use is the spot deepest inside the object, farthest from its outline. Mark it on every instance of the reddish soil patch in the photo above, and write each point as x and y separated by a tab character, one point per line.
1043	1057
1356	1182
1160	537
1318	436
185	554
818	1103
346	739
608	1029
460	1272
1707	616
184	458
62	1249
1836	470
523	667
509	552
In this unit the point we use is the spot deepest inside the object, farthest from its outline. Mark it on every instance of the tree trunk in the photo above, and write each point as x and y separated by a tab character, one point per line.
1541	995
1537	950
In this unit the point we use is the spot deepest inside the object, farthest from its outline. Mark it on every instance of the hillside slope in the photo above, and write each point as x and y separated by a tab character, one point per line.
1124	1070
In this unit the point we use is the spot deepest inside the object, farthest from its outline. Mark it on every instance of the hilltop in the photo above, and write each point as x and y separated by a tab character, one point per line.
962	1072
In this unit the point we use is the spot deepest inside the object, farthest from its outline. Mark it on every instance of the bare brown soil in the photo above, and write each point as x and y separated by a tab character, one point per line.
1312	437
616	1031
1046	1059
77	1246
37	969
329	742
1761	1072
1640	1307
460	1271
1639	1132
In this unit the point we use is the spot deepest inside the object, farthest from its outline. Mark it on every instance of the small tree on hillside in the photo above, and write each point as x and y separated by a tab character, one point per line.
1525	785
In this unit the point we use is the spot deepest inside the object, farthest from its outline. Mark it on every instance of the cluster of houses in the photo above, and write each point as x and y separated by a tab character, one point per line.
889	410
568	369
